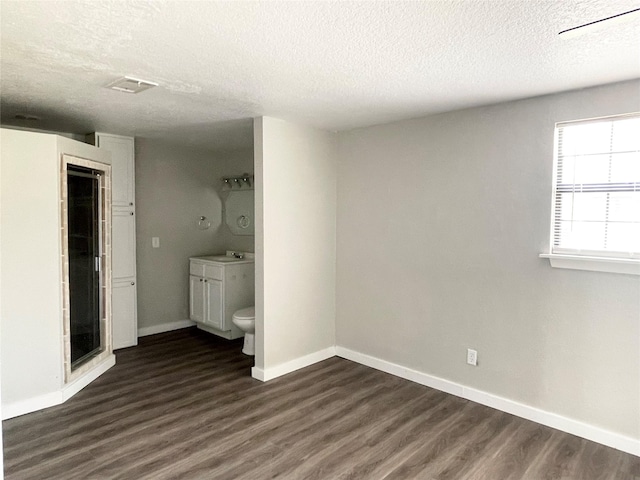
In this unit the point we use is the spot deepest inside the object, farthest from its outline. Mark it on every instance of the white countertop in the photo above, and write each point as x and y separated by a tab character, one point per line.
228	259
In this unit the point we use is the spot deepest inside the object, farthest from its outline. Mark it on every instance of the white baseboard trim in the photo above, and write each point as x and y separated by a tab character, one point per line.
553	420
165	327
52	399
258	374
15	409
270	373
78	384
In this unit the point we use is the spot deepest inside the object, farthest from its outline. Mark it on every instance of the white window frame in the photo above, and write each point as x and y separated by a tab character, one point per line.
585	260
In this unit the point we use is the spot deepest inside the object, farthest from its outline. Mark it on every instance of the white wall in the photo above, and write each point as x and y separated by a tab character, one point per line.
1	440
79	137
30	268
31	321
174	187
440	223
295	227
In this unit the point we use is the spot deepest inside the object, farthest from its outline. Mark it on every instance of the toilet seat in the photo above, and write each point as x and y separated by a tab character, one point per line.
248	313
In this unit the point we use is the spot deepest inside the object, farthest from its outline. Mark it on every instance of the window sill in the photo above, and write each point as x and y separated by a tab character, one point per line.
595	264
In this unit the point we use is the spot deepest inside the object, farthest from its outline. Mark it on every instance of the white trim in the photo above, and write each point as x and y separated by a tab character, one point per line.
47	400
164	327
258	374
33	404
579	258
267	374
629	266
553	420
78	384
618	116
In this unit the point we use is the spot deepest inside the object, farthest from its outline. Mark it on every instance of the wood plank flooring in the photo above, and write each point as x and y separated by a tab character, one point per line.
182	405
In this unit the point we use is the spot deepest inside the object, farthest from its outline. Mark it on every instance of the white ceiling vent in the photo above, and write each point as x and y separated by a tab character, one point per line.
131	85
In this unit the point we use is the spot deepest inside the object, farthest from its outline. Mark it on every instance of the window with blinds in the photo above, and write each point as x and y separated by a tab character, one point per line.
596	204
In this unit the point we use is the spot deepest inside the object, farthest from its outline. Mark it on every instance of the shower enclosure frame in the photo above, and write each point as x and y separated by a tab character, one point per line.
72	372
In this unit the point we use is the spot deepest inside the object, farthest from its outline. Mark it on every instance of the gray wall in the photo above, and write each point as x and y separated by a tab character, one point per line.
174	187
440	223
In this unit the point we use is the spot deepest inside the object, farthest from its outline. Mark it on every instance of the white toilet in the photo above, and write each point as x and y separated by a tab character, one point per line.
245	320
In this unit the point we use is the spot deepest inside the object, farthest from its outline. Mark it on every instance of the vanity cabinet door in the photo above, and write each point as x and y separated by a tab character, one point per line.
196	298
213	294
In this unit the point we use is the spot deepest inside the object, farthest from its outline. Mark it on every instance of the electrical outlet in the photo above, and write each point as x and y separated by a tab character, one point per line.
472	357
155	242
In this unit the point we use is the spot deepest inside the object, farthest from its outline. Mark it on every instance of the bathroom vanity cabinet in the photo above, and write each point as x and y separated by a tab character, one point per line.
218	286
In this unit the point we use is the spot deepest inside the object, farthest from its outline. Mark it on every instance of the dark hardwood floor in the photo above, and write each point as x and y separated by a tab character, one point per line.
183	405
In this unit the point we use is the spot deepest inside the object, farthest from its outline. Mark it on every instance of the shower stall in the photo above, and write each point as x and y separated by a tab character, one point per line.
86	274
55	277
84	215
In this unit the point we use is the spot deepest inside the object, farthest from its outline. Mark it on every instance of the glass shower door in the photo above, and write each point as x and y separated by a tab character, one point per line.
84	237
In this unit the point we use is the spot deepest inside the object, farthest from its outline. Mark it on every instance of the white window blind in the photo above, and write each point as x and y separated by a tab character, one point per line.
596	207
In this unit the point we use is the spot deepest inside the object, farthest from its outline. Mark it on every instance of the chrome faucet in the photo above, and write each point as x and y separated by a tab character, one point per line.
238	255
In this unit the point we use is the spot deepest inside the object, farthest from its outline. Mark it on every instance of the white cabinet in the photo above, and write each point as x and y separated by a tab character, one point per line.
124	309
205	301
214	304
123	236
216	290
123	241
196	298
122	164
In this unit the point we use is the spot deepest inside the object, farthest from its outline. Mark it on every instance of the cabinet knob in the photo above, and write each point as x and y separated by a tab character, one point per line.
200	279
133	283
131	203
205	280
131	213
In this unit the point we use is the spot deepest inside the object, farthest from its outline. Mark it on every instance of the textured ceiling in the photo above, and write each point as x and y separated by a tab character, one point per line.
332	64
